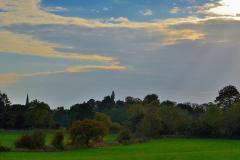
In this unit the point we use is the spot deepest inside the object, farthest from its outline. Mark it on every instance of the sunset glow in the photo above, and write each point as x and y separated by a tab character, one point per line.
227	7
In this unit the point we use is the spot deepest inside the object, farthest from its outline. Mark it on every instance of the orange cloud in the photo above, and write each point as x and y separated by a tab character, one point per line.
10	78
7	79
27	45
77	69
19	13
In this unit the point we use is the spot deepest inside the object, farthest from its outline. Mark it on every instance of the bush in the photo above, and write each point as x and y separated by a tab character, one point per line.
116	127
96	142
124	136
102	117
34	141
57	141
4	149
38	139
26	142
81	132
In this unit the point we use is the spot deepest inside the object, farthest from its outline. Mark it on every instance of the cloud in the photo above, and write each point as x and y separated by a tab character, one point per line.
19	13
174	10
77	69
205	8
227	8
176	35
13	43
106	9
27	45
118	20
30	12
8	79
55	9
147	12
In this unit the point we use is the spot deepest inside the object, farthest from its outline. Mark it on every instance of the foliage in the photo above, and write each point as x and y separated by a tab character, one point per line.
135	115
228	96
116	127
104	118
4	100
151	123
131	100
39	115
153	120
231	122
145	118
34	141
124	136
168	103
174	120
26	141
152	98
81	111
81	132
58	139
118	114
209	123
61	117
4	148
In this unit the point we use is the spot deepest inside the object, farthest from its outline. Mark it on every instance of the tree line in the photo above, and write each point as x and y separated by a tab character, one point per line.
147	118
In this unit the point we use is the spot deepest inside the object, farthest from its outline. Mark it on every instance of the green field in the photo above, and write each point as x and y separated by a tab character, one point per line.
162	149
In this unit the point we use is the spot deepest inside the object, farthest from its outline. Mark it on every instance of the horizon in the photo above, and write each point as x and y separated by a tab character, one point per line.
100	99
67	52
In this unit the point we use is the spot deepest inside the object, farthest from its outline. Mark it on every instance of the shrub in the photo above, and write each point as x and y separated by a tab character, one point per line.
25	142
81	132
102	117
96	142
34	141
57	141
124	136
38	139
116	127
4	149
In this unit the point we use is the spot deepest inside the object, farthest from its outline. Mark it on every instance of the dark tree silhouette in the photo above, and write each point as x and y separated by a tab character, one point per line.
81	111
148	118
81	132
132	100
151	98
168	103
227	96
4	100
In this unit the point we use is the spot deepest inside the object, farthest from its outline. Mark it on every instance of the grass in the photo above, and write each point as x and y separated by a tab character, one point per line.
110	138
162	149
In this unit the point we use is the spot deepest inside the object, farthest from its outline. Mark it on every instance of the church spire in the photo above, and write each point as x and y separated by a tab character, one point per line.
27	100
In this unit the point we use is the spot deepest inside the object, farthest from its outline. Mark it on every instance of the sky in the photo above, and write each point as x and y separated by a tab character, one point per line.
69	51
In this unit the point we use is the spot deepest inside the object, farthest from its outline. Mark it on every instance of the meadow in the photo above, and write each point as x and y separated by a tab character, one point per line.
165	149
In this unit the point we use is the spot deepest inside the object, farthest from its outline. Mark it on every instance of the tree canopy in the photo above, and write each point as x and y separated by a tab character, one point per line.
143	118
227	96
